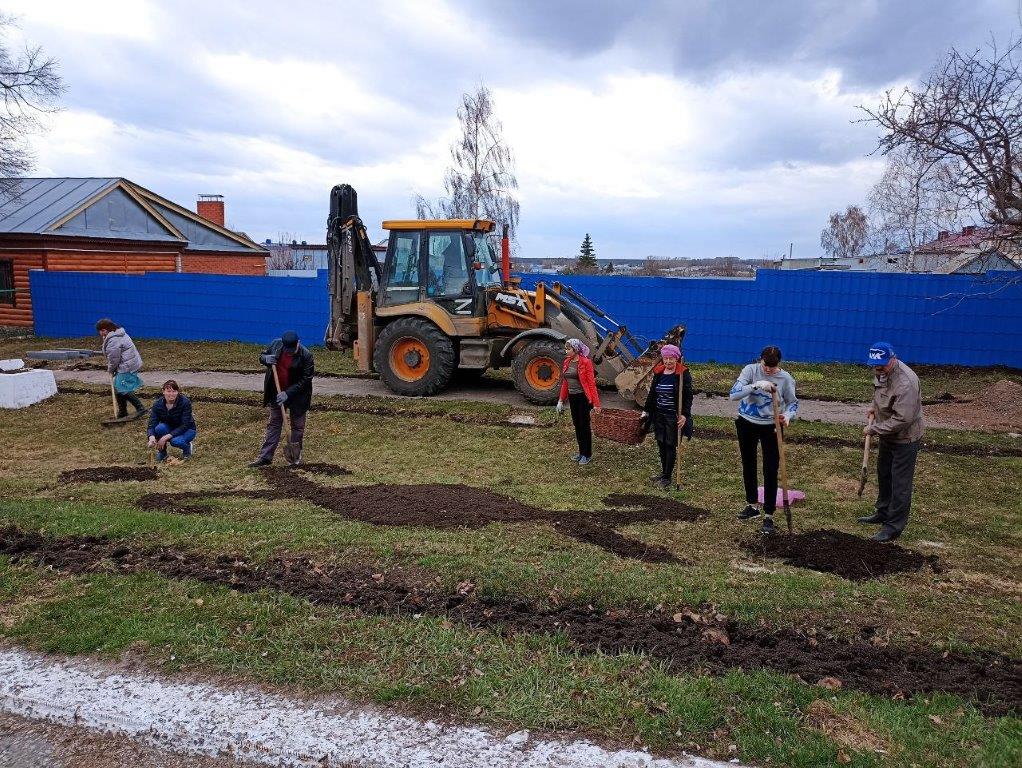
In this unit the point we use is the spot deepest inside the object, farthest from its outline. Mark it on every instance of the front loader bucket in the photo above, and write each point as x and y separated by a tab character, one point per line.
633	382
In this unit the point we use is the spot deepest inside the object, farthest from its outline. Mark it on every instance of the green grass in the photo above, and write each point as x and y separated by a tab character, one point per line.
836	381
968	505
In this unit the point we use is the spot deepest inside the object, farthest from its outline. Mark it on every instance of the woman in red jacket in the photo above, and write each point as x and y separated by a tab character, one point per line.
578	387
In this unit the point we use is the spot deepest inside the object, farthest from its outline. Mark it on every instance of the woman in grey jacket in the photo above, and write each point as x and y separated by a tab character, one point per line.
123	362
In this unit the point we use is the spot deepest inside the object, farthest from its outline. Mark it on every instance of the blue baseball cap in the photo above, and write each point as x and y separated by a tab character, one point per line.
880	353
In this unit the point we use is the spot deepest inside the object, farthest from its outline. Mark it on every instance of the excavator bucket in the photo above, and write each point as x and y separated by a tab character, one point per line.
633	382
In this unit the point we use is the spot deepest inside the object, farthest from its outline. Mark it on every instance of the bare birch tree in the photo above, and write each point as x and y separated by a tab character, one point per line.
481	182
29	86
846	233
916	198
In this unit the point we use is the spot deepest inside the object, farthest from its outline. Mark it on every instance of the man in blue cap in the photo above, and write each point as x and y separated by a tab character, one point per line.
896	418
295	369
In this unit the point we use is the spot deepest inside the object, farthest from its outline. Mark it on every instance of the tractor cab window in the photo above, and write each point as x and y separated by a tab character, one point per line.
448	271
486	258
402	268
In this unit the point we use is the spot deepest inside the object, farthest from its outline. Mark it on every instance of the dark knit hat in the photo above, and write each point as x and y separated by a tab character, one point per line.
289	339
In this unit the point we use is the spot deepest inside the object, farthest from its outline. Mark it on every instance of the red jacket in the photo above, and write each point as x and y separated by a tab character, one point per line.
586	377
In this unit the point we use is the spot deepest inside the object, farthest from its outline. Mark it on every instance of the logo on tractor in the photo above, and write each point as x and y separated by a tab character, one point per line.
512	301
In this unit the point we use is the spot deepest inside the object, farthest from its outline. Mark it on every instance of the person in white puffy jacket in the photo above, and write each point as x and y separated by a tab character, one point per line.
755	425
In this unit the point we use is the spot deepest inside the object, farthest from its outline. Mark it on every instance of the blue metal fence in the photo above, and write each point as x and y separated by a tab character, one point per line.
812	316
822	316
181	305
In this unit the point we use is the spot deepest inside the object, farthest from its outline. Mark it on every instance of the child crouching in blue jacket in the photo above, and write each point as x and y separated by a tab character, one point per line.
171	422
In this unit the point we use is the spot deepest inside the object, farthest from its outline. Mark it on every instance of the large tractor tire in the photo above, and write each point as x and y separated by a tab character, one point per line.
536	370
414	357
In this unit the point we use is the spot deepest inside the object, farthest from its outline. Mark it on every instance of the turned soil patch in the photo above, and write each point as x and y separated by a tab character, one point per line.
851	557
444	506
108	474
685	640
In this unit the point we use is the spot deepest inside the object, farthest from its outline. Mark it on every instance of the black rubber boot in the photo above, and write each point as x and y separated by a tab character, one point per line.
873	519
260	463
885	534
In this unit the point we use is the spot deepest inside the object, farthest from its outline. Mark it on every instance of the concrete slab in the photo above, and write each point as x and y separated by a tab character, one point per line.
20	390
59	354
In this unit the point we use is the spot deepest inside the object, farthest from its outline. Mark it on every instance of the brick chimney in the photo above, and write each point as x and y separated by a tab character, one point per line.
211	208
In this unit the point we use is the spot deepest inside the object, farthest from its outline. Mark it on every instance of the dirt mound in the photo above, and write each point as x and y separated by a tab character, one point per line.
998	406
599	535
851	557
108	474
684	640
650	508
443	506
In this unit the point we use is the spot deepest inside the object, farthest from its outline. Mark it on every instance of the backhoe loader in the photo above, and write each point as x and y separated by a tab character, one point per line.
443	306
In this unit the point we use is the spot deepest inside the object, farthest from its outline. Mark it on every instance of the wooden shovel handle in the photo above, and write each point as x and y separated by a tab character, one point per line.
780	445
283	410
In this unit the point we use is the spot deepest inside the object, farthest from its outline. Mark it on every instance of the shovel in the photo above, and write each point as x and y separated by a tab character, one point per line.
865	463
289	449
784	463
677	460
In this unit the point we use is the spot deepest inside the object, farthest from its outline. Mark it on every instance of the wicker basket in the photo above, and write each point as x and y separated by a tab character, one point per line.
619	425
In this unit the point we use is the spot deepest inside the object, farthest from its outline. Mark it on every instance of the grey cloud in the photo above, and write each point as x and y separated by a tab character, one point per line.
874	42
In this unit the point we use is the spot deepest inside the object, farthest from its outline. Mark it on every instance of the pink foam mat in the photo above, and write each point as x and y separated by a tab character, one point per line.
794	497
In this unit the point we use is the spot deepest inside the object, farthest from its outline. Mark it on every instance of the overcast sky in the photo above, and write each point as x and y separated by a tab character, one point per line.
690	128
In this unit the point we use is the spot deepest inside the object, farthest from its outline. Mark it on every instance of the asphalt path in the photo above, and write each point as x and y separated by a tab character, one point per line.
486	390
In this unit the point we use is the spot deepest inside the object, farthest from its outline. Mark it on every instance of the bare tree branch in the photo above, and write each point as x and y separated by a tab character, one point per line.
30	85
966	118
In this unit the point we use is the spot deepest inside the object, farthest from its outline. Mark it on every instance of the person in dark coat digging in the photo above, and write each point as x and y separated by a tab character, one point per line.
896	418
670	393
295	368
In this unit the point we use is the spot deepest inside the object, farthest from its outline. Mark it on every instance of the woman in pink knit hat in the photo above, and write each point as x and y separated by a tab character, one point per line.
668	406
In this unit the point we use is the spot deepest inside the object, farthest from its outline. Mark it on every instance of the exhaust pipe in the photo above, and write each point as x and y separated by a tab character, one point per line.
505	258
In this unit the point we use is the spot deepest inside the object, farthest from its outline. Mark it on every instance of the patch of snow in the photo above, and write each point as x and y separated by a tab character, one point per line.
520	418
270	729
12	365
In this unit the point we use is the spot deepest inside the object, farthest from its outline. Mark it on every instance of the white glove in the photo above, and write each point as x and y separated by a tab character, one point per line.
765	385
786	419
644	415
560	407
152	440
